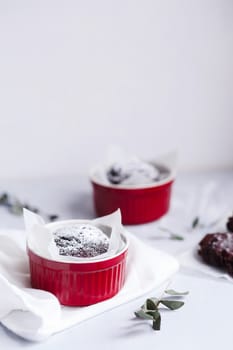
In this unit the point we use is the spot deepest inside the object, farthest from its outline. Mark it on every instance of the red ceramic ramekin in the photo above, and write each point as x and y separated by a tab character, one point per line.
79	283
138	204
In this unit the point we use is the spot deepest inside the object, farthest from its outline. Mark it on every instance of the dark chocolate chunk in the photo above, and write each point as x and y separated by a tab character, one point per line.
216	249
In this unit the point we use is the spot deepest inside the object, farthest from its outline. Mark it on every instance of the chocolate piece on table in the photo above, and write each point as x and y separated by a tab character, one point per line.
216	249
230	224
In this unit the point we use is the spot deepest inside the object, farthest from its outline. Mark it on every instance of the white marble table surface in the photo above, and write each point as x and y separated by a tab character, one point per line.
205	322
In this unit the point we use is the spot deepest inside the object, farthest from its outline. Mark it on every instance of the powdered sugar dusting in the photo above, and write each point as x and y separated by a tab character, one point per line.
224	241
133	172
81	240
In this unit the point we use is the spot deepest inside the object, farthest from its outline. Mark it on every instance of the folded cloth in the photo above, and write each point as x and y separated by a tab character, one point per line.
36	314
191	262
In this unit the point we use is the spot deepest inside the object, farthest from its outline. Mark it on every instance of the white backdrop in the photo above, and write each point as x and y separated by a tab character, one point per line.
151	76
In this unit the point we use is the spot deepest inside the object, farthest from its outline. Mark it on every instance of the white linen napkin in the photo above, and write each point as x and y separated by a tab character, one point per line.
35	314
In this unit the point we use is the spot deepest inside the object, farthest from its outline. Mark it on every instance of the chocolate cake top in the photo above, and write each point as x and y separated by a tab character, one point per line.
81	240
219	241
134	172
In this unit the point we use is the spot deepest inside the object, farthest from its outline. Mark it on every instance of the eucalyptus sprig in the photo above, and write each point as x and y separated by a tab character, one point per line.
195	222
15	206
150	309
172	235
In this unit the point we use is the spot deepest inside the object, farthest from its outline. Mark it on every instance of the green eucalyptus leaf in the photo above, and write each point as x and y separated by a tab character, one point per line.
16	209
142	314
157	322
176	237
143	307
172	304
4	198
15	206
172	235
151	304
195	222
155	313
174	292
156	301
150	309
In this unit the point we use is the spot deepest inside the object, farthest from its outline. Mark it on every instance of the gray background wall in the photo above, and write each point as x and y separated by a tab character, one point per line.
151	76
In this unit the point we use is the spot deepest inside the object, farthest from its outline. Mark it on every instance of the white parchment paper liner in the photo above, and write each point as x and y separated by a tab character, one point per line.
40	237
117	155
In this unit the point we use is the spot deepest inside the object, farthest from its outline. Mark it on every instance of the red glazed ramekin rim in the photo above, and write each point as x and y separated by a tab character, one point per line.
93	176
80	262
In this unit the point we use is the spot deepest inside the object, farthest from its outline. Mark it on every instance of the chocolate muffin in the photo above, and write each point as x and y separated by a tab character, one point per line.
134	172
216	249
82	241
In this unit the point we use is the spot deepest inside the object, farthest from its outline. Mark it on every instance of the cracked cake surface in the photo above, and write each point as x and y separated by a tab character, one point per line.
81	240
134	172
216	249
